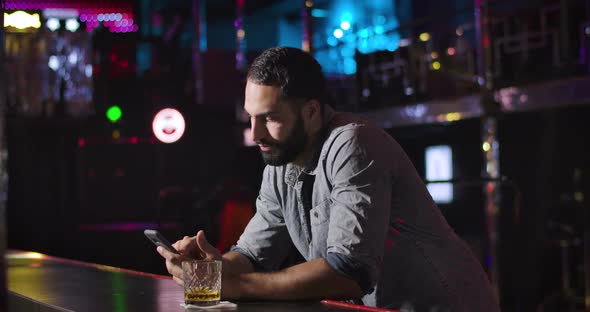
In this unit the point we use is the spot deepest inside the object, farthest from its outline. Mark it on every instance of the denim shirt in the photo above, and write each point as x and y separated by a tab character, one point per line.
362	207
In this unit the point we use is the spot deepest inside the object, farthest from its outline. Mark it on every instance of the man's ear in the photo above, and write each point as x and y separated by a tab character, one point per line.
312	109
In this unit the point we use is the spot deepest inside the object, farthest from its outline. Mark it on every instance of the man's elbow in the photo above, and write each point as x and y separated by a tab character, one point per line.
353	290
355	278
344	287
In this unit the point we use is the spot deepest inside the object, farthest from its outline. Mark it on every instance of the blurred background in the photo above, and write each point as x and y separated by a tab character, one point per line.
124	115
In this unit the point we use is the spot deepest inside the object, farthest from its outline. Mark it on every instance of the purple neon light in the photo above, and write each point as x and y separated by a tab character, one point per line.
91	6
92	13
126	226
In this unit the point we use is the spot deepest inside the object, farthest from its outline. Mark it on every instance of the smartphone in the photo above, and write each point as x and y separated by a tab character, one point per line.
159	240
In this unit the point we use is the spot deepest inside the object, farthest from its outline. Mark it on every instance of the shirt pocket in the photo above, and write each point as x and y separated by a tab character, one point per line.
320	214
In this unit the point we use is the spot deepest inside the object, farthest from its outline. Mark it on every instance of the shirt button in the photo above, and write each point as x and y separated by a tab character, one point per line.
315	214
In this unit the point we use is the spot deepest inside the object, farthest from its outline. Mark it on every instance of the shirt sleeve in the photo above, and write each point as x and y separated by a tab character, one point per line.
265	240
361	173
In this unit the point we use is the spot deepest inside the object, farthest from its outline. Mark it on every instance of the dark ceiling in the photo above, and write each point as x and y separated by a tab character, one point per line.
227	8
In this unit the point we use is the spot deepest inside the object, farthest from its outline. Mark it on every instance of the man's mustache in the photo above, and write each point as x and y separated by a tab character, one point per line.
267	143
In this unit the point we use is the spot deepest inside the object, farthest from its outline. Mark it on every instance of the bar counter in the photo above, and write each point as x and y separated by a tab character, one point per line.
37	282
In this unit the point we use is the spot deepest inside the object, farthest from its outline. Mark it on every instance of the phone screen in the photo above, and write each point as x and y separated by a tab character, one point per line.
159	240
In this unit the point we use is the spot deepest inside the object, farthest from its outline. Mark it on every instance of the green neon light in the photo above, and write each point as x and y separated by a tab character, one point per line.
114	113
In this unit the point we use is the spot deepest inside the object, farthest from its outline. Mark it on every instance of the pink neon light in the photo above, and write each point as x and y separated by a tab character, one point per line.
90	141
88	10
72	4
125	226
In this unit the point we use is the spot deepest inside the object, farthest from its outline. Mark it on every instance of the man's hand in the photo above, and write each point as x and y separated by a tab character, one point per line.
195	247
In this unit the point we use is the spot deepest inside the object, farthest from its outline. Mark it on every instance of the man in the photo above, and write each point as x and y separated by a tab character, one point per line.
344	195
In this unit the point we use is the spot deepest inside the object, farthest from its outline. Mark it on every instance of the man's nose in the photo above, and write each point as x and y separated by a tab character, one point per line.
257	130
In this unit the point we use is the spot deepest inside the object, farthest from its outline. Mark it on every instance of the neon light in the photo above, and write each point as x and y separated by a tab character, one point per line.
405	42
125	227
364	33
72	25
88	70
345	25
319	13
346	17
53	24
53	63
424	37
332	41
436	65
22	20
241	34
453	116
114	113
349	66
351	25
60	13
168	125
73	58
379	29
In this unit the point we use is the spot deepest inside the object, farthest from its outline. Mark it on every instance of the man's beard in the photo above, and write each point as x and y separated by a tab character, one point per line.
282	153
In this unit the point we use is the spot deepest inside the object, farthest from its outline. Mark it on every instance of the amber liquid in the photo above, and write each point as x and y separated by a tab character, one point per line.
202	297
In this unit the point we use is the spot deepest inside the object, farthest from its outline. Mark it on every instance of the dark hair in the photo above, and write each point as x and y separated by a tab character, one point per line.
295	71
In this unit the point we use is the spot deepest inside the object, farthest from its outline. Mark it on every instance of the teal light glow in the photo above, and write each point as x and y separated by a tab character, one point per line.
352	27
347	51
379	29
349	66
345	25
364	33
379	20
346	17
332	41
319	13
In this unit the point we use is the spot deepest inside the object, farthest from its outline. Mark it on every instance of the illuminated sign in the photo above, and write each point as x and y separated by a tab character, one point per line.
22	20
439	167
168	125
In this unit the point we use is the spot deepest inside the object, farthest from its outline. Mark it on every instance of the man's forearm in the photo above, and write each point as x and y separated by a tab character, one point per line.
236	263
310	280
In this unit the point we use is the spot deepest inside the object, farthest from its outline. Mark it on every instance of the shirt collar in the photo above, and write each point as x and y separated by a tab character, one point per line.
328	116
293	172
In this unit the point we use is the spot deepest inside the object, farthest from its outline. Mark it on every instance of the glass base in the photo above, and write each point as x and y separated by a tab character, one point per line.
202	303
